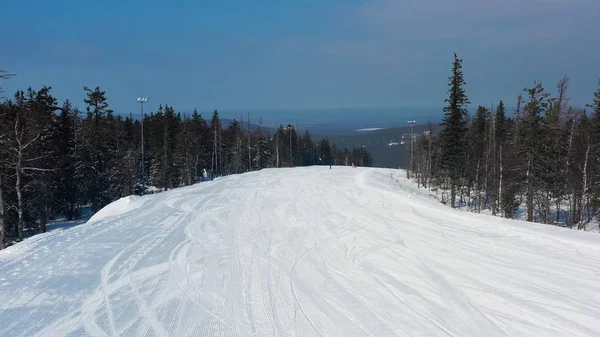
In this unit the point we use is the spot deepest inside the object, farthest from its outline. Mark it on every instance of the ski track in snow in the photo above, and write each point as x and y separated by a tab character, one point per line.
302	252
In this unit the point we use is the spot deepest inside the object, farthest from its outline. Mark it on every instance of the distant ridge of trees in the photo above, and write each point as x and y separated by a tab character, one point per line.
54	158
545	155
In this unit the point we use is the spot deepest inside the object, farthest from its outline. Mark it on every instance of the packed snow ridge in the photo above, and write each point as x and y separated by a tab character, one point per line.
308	252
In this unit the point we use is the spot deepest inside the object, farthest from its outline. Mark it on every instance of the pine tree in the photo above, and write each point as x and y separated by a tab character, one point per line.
594	159
477	147
233	142
263	151
309	155
249	145
128	148
2	217
500	137
184	152
216	145
554	173
452	135
65	186
325	157
95	156
3	75
531	135
201	139
291	138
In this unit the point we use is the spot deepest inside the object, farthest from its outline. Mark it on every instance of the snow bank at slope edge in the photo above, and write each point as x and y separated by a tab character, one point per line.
118	207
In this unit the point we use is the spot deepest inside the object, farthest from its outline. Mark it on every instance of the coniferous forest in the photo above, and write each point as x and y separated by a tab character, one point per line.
541	158
56	160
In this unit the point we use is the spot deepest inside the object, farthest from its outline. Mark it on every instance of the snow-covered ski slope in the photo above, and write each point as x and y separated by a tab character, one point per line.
302	252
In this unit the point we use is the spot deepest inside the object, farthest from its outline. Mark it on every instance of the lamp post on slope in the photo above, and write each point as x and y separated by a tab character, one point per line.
143	100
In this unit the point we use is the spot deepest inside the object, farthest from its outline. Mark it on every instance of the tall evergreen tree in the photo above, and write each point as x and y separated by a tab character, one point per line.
594	160
531	135
477	148
65	185
263	152
325	157
3	75
95	156
501	141
201	140
454	129
216	144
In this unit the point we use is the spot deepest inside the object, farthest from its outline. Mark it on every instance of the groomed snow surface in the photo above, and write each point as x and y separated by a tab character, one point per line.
301	252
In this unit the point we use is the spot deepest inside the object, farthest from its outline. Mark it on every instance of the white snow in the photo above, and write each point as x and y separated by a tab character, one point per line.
307	252
370	129
118	208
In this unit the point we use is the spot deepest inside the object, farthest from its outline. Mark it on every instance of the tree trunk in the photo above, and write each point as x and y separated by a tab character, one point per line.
569	217
44	219
500	205
568	163
558	200
429	165
166	173
213	158
20	223
453	194
478	188
277	149
584	187
1	217
529	190
249	146
546	206
220	158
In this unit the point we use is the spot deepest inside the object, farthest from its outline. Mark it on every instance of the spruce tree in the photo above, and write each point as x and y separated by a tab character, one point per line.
97	148
184	152
532	141
201	140
325	157
3	75
216	144
65	185
263	151
454	129
594	160
555	156
500	137
477	148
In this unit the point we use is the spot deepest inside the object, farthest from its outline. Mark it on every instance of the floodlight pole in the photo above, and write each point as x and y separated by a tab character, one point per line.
143	100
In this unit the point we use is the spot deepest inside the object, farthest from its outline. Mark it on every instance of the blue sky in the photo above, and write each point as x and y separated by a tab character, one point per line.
249	55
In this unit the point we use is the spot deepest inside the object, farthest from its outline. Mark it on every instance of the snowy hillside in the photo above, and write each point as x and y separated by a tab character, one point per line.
307	252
